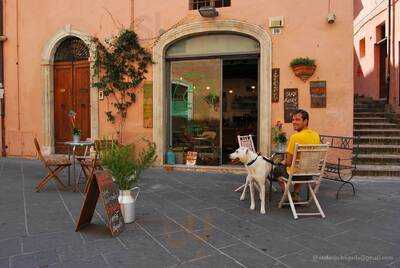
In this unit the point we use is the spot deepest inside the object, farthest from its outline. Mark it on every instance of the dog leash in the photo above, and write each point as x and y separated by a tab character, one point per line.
266	159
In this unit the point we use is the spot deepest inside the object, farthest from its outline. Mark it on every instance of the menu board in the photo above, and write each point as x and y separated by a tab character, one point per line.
318	94
275	84
290	103
148	105
102	185
191	158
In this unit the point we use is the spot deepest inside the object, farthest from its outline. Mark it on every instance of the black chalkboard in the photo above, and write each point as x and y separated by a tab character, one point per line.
102	185
290	103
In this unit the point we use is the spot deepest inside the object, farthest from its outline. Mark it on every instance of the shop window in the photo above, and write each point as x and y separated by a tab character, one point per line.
197	4
362	48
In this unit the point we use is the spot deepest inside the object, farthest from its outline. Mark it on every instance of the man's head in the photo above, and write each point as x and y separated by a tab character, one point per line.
300	120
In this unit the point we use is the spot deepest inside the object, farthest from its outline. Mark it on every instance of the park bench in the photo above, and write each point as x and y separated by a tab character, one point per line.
341	164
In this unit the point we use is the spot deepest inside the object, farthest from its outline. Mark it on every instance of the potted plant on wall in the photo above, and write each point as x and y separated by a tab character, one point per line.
126	169
76	133
303	68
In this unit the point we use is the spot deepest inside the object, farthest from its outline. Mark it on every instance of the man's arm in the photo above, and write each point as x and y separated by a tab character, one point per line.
288	160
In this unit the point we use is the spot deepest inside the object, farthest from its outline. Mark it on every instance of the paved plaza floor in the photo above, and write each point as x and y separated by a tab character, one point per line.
195	220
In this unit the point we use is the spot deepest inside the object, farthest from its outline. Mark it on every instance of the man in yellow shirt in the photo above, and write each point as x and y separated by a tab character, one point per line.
304	135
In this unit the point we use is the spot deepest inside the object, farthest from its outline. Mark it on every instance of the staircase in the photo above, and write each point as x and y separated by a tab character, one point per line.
379	143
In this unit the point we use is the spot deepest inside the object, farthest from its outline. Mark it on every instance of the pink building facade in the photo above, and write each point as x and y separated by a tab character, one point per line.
377	50
212	78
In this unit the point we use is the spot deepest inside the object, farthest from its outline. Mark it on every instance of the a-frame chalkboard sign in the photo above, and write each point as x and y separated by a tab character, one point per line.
102	186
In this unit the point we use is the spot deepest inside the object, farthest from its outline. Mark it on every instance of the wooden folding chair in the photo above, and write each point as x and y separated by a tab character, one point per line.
245	141
308	160
54	164
94	164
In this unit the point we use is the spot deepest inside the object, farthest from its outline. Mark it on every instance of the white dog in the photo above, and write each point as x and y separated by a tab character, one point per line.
257	171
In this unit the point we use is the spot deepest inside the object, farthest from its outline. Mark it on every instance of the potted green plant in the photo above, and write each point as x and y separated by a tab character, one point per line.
212	99
76	133
126	169
303	68
278	136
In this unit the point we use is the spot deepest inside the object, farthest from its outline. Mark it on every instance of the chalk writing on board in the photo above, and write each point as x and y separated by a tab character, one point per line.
290	103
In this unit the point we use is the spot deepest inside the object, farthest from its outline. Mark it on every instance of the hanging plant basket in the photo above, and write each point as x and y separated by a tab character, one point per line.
212	99
303	68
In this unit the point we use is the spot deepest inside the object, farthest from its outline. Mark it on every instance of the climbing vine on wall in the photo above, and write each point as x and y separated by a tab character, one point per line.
120	66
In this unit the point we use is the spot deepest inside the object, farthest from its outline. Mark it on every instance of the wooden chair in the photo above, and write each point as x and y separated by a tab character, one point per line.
95	164
89	164
54	164
308	160
245	141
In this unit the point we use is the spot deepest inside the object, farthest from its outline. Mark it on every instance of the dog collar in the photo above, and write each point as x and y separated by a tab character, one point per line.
252	161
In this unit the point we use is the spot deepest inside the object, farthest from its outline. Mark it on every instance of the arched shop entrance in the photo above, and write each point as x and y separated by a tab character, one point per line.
213	90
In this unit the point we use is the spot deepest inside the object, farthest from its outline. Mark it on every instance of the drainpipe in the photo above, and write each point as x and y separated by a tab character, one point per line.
389	44
2	97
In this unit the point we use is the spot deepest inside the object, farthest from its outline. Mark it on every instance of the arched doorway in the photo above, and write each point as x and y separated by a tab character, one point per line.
161	76
71	90
222	71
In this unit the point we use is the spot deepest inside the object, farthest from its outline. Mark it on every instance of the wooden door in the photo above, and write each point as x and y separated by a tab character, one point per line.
71	92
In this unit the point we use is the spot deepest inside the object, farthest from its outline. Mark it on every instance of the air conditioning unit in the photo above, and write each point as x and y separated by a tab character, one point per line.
276	22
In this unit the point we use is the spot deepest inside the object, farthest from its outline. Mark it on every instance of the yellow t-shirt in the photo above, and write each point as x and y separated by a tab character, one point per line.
306	136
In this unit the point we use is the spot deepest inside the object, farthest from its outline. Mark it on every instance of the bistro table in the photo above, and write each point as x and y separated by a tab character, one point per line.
72	144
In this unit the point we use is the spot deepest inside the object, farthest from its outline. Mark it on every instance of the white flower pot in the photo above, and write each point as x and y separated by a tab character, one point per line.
127	200
76	138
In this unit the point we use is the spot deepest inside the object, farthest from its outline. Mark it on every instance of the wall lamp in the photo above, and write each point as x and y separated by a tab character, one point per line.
208	12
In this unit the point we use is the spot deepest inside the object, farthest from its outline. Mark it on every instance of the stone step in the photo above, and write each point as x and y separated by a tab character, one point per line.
378	149
369	106
377	159
377	132
371	119
380	125
379	140
368	110
369	114
378	170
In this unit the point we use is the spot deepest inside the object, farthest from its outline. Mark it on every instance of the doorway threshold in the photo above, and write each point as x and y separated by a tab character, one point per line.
212	169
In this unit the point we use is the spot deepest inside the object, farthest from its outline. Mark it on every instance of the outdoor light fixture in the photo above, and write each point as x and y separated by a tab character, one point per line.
208	11
253	87
207	87
231	91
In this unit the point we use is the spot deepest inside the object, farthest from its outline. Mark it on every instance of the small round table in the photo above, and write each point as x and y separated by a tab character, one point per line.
72	144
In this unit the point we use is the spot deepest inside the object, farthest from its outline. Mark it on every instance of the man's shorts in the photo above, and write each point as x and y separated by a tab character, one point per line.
281	171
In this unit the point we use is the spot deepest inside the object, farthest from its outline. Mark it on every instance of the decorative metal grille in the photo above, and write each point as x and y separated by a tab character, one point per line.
196	4
72	49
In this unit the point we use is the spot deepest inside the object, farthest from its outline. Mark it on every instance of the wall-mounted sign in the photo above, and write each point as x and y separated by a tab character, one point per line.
290	103
148	105
318	94
275	84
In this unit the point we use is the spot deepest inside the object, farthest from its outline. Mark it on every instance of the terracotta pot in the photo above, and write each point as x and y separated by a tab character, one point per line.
304	71
168	168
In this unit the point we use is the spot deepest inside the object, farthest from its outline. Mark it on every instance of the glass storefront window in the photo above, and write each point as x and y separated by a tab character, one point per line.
195	114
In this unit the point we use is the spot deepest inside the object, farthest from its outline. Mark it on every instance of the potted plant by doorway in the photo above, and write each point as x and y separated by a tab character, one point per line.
303	68
76	133
126	169
279	137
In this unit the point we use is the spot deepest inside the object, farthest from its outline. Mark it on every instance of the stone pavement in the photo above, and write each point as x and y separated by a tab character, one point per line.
195	220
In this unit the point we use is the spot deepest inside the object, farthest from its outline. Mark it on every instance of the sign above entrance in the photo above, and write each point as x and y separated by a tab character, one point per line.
290	103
